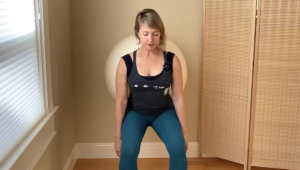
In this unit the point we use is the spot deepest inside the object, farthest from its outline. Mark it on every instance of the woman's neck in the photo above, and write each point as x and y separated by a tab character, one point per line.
149	53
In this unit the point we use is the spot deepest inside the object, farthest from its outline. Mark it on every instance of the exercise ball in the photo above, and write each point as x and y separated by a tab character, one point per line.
126	46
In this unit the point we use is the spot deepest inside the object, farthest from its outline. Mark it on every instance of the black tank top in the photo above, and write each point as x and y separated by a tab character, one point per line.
149	95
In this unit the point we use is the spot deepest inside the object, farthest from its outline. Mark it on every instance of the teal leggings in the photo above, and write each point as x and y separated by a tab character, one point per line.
167	127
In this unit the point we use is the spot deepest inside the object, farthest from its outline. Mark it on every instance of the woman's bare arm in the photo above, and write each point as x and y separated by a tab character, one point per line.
121	96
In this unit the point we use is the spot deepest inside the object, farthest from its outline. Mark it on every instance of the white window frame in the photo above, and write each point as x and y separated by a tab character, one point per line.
27	154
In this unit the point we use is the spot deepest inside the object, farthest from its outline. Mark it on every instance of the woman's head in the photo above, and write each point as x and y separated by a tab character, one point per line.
149	29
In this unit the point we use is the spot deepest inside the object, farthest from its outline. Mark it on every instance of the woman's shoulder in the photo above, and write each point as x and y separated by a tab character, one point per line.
128	61
170	56
169	52
128	56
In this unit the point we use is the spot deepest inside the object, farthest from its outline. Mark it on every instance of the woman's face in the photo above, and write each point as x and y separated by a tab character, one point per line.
149	37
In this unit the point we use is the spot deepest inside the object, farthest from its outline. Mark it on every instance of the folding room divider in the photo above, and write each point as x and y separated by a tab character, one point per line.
250	106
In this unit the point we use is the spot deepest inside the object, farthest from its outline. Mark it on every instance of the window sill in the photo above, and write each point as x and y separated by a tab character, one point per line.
32	148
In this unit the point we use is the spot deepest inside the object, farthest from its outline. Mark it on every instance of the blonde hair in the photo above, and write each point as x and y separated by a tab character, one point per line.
151	18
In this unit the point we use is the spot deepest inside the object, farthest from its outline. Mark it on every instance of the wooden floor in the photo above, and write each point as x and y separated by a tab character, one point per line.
160	164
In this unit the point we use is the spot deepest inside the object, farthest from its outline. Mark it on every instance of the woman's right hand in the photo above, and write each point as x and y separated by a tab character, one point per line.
118	143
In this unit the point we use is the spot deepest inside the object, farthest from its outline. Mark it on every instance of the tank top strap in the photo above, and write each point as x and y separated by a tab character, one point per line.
134	66
165	57
134	56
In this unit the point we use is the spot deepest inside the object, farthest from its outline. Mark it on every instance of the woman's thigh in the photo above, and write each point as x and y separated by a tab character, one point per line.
168	128
133	129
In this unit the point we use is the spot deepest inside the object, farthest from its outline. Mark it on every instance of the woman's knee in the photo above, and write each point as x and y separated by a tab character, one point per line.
130	150
176	148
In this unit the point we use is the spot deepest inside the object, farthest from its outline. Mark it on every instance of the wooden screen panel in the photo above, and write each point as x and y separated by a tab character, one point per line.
228	31
276	135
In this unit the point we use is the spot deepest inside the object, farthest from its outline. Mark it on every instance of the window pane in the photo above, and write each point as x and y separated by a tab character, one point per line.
21	100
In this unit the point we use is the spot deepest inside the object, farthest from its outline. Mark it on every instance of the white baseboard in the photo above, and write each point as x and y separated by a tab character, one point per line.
106	150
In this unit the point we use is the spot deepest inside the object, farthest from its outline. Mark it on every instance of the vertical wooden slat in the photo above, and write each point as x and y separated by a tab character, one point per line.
276	133
227	62
254	86
201	76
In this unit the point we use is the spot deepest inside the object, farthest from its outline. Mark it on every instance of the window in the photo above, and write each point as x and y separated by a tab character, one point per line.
22	101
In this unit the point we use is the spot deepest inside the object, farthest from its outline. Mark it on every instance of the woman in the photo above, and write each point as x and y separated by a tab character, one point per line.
150	71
